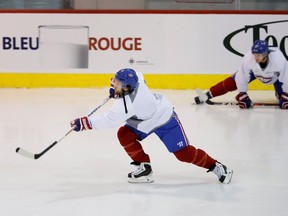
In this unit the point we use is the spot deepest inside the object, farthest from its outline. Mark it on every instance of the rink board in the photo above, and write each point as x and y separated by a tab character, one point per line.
160	81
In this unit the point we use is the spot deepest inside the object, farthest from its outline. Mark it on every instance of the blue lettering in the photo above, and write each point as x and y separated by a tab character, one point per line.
6	42
36	46
22	43
15	47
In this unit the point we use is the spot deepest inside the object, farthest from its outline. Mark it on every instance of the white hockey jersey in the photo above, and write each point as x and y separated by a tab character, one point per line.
146	111
276	69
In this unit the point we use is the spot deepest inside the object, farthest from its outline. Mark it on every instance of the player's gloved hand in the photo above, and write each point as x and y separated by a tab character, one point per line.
244	101
81	124
283	101
112	90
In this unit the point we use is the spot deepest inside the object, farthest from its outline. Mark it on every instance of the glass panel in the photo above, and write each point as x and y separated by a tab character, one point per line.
43	4
13	4
205	1
36	4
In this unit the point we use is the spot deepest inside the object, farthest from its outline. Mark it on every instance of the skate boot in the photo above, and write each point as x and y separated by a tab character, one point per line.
142	174
198	100
224	174
202	97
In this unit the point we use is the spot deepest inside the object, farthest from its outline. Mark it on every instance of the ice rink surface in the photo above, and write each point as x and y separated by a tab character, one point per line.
85	174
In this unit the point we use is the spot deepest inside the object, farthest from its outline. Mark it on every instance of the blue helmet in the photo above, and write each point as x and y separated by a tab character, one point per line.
260	47
127	77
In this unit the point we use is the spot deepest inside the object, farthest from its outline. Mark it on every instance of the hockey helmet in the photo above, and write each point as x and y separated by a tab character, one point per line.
260	47
127	77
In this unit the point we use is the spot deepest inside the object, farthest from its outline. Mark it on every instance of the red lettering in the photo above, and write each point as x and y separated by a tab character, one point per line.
138	44
103	44
115	44
92	43
126	45
113	47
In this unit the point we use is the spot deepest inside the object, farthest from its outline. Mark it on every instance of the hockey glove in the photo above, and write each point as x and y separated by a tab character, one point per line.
244	101
81	124
283	101
112	90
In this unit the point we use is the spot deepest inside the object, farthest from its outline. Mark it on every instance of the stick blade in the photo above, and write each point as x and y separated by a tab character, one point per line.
25	153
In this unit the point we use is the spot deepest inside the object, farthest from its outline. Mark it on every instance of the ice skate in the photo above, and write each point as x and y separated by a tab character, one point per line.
198	100
224	174
142	174
202	97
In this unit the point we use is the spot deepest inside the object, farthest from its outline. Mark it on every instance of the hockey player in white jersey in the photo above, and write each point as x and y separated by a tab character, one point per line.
144	113
268	66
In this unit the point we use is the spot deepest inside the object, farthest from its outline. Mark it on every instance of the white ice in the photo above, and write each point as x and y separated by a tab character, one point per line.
85	174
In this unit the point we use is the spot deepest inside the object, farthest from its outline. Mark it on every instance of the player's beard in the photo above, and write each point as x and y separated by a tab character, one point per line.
262	60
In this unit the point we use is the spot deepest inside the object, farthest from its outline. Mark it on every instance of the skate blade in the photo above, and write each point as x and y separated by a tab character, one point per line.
143	179
228	177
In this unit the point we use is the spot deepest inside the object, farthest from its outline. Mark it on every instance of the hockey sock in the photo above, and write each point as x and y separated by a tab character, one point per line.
195	156
134	149
223	87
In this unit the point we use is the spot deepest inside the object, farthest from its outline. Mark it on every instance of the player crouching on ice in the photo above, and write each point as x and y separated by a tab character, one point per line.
269	66
146	113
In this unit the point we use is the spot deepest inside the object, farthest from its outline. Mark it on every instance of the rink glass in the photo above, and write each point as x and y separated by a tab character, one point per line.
63	46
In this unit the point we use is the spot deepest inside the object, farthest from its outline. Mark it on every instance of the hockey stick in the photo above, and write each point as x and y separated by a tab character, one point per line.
30	155
204	97
236	104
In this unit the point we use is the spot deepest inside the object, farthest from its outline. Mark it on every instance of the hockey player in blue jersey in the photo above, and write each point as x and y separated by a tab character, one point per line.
144	113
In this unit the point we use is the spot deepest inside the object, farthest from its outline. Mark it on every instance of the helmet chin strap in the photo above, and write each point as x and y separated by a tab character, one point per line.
125	106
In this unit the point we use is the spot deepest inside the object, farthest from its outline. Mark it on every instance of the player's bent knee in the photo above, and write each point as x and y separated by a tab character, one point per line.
125	135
